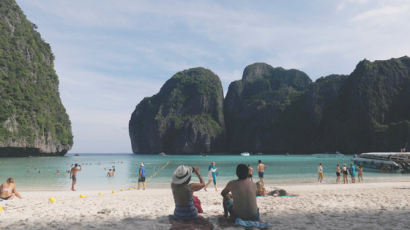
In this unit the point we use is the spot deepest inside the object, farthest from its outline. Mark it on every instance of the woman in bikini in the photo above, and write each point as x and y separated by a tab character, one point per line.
8	190
338	174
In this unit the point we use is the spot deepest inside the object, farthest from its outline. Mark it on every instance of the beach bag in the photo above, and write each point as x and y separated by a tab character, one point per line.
197	204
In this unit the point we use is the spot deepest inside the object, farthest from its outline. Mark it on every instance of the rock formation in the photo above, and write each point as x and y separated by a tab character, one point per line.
254	108
273	110
33	120
185	117
368	110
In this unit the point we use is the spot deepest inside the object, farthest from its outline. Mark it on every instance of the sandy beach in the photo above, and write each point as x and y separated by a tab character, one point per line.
318	206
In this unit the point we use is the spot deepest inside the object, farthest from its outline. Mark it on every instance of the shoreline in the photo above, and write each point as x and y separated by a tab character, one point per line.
221	183
377	205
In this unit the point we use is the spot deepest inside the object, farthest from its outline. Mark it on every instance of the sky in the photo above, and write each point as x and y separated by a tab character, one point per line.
110	54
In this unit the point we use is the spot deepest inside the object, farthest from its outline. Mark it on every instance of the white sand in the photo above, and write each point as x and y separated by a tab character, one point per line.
327	206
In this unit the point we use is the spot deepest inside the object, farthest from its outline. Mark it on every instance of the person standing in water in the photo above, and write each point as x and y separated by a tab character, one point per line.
73	175
261	170
141	176
110	173
211	175
338	171
320	173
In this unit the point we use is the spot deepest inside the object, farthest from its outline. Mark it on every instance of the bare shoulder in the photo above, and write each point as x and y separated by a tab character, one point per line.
230	183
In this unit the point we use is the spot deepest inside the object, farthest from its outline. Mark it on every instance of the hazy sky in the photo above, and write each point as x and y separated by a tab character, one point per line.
111	54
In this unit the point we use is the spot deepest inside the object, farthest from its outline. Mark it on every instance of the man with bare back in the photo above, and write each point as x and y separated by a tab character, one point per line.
73	175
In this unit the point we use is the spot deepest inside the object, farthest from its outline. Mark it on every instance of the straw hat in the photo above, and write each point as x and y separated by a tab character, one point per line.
182	174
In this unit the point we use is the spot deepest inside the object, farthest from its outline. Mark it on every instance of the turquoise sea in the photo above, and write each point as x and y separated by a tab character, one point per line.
40	173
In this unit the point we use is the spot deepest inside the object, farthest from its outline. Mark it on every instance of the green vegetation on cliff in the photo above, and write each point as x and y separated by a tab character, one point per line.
254	106
30	106
368	110
273	110
184	117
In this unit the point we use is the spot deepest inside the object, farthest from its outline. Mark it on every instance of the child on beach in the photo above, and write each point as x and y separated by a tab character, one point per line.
260	189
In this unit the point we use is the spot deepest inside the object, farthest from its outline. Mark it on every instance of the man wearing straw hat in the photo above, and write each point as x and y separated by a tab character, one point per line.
183	192
141	176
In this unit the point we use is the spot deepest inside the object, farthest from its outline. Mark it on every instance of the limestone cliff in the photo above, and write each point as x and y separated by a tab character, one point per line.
254	108
33	120
185	117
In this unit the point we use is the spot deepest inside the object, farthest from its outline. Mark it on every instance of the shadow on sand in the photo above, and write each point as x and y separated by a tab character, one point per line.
350	219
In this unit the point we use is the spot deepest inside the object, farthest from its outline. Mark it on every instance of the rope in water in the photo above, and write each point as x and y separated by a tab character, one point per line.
156	173
153	175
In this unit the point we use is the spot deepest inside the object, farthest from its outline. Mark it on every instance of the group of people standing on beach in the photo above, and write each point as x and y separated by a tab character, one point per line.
343	171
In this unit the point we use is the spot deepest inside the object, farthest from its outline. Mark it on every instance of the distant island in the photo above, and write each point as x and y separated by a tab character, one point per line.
33	121
274	110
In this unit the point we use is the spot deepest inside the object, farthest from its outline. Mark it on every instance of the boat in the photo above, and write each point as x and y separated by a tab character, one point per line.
328	155
76	154
384	161
162	154
245	154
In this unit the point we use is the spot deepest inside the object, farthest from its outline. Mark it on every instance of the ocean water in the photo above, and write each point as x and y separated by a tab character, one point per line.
40	173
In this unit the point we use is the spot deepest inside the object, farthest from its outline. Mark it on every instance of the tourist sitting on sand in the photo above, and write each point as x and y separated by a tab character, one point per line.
183	192
243	192
260	189
8	190
280	192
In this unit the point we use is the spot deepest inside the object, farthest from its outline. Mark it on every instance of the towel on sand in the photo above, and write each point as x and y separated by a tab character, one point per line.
250	224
